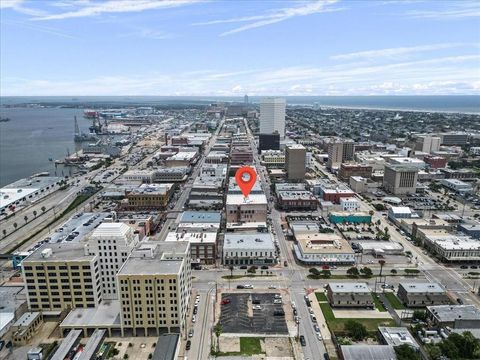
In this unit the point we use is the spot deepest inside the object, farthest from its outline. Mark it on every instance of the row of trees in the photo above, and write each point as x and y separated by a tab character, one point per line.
456	346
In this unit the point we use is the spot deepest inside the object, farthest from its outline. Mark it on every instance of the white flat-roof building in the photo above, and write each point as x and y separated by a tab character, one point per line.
322	249
349	204
252	248
251	209
457	185
397	336
112	243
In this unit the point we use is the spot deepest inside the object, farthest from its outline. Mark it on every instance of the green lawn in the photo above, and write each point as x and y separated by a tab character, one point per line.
248	346
394	301
378	304
321	296
337	325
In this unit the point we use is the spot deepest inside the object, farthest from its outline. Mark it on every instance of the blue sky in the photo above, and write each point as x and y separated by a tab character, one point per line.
192	47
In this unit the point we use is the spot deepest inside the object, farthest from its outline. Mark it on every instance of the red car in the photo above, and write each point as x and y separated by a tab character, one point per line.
325	267
225	301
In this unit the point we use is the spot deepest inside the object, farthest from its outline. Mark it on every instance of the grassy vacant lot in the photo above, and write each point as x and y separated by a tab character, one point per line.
248	346
321	296
394	301
338	325
378	304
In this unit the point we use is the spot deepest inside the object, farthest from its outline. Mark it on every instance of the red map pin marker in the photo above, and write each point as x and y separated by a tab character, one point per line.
246	177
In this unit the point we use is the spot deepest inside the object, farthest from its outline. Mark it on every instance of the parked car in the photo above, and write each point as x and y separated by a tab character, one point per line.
319	336
194	318
285	263
279	313
317	329
190	333
303	341
248	286
272	287
264	267
240	287
243	267
257	307
464	267
278	296
314	319
188	345
225	301
277	301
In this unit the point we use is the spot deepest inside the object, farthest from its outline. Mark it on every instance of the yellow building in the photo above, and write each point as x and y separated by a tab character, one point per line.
61	276
149	197
154	287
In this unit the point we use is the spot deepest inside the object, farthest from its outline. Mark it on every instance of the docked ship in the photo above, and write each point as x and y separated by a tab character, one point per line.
82	137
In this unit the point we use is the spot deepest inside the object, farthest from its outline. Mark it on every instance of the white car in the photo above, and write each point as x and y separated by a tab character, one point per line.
319	336
310	310
278	296
272	287
257	307
248	286
277	301
294	306
194	318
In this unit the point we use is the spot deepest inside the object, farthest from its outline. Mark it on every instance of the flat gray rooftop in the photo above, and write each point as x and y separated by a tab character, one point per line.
449	313
60	252
92	345
422	287
166	347
348	287
200	217
66	345
396	336
162	262
368	352
248	241
107	314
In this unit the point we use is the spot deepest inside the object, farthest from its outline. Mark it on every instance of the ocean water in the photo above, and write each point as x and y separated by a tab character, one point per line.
36	134
32	136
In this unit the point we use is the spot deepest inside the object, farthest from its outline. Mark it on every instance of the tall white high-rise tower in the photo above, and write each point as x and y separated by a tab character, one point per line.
272	116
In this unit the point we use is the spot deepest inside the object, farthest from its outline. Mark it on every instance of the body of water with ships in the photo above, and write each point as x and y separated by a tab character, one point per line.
34	135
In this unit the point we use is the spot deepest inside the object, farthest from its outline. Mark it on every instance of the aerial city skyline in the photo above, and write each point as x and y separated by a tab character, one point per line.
232	180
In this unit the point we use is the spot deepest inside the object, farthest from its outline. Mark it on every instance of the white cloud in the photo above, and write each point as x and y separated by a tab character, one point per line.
87	9
453	10
275	16
39	28
393	52
19	6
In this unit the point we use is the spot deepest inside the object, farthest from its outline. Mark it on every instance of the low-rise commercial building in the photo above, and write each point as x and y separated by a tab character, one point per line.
457	185
297	200
397	336
435	162
395	213
349	295
239	209
368	352
149	197
348	170
323	249
349	204
454	316
339	217
422	294
203	245
252	248
24	328
361	185
449	247
273	158
330	191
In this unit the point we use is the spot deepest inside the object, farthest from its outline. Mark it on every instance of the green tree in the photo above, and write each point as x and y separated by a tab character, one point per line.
393	272
357	331
326	273
366	271
382	263
252	269
406	352
43	208
353	271
419	315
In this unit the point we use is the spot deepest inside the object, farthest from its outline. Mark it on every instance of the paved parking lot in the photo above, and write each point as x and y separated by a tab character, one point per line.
239	317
